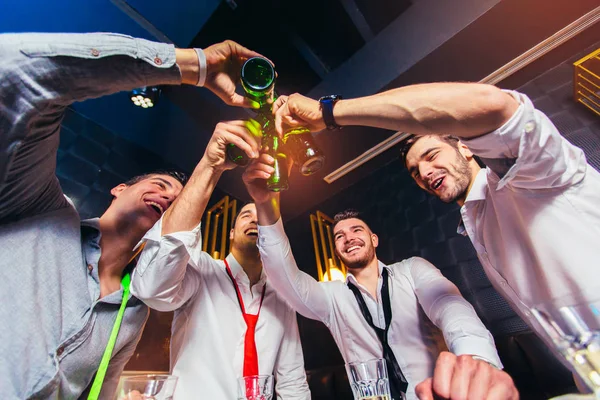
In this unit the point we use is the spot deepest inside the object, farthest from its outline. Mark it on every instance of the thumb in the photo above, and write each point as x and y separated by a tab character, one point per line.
424	390
238	100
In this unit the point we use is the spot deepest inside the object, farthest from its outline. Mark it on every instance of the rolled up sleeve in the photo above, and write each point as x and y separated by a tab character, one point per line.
528	152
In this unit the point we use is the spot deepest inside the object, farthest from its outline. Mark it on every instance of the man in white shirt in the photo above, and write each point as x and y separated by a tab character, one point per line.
536	186
229	321
407	312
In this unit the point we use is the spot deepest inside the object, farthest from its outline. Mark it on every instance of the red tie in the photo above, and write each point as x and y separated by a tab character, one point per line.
250	353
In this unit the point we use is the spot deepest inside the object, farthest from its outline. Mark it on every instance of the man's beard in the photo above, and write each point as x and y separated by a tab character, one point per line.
361	262
461	172
246	245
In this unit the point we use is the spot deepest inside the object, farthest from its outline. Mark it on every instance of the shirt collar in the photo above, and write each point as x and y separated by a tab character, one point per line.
350	278
478	189
477	193
93	223
238	272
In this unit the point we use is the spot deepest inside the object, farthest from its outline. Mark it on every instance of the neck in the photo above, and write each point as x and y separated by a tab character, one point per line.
368	276
250	261
475	168
116	244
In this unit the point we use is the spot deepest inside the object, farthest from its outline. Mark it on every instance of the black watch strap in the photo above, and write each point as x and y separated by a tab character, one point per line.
327	103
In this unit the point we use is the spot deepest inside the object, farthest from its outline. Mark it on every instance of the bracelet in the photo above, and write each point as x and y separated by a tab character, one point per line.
202	67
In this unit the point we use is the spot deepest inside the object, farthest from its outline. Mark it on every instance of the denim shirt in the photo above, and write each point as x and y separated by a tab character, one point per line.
53	326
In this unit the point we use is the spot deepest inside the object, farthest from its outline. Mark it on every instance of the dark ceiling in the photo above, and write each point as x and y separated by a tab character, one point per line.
350	47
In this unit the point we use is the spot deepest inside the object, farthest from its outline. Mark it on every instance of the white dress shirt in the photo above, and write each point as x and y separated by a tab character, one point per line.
534	217
426	309
207	344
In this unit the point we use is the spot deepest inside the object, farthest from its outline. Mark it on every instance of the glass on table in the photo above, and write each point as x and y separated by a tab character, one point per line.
369	380
255	387
147	387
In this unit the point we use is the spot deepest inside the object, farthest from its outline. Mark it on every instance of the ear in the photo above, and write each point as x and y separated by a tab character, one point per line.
465	151
117	190
374	240
231	234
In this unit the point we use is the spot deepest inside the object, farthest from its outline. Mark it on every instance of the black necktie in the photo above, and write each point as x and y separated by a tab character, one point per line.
398	383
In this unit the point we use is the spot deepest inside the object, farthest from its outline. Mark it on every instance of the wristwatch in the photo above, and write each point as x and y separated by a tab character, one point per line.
327	103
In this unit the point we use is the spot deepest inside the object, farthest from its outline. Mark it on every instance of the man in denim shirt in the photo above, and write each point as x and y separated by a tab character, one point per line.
60	278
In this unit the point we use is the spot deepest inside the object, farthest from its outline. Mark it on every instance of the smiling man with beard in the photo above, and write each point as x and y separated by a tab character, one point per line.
406	312
535	184
229	321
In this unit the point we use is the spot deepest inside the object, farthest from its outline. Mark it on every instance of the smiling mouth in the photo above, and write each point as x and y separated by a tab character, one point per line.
252	232
352	249
156	207
437	183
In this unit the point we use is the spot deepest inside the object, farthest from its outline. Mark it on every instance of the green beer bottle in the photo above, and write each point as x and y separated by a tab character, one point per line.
303	150
274	146
258	81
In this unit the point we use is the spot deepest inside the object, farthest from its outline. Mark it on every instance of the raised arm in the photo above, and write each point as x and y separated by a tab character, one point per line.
300	290
441	300
42	74
462	109
167	273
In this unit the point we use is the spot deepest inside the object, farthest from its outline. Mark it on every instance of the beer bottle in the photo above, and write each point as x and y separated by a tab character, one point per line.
258	81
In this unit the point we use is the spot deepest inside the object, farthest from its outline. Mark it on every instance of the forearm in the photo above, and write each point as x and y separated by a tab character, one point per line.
186	211
268	212
462	109
463	331
300	290
442	302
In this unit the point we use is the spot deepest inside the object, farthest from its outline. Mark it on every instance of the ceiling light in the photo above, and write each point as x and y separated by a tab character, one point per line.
145	97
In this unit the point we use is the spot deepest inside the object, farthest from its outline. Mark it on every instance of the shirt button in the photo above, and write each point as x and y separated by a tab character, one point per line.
157	61
95	52
90	267
529	127
59	351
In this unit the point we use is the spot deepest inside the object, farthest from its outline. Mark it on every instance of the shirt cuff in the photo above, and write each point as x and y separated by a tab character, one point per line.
271	235
479	347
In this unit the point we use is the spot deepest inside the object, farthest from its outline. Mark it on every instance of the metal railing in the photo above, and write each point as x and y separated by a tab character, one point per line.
586	81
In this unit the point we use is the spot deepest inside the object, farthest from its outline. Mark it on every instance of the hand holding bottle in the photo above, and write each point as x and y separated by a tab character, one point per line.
242	134
296	111
223	63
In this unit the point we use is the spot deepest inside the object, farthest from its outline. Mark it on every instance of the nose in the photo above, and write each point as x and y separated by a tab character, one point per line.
425	170
169	196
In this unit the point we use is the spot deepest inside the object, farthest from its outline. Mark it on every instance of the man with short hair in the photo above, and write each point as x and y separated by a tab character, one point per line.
407	312
63	280
536	184
229	320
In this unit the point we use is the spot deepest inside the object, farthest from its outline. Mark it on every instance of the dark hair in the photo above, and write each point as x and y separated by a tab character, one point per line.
181	177
408	143
347	214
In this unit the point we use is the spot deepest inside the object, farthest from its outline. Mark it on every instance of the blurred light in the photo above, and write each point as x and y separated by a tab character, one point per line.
336	275
145	97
